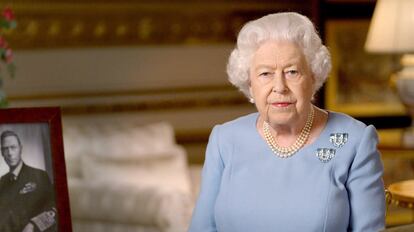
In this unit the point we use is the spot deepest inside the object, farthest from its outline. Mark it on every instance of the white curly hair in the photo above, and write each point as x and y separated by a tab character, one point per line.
288	26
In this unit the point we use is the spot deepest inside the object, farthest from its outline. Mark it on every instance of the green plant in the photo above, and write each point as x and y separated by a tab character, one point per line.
7	23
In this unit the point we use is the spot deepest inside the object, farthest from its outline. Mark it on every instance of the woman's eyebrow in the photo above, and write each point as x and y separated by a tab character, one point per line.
264	66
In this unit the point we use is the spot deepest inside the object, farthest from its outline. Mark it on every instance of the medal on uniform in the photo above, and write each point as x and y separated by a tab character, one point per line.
28	187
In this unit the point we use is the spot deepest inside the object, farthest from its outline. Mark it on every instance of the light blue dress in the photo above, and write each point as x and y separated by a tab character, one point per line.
246	188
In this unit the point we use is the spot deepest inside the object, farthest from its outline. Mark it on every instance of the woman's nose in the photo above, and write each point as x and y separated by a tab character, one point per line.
279	84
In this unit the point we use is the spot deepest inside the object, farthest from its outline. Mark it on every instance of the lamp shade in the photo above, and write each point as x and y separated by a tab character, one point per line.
392	27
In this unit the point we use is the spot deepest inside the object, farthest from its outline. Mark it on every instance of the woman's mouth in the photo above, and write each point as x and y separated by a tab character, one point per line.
281	104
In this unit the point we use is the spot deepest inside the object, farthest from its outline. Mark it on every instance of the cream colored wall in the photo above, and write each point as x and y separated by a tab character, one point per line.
59	76
117	68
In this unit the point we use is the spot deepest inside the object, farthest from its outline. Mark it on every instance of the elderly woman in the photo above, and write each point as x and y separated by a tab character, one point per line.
291	166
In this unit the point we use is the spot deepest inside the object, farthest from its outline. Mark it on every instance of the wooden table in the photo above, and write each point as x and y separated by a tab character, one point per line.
402	194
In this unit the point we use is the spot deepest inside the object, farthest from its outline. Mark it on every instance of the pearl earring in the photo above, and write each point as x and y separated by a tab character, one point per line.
251	100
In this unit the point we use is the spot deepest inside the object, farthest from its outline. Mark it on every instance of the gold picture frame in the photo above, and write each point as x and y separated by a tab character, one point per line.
359	81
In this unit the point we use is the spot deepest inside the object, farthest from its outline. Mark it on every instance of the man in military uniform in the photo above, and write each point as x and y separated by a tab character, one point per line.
26	193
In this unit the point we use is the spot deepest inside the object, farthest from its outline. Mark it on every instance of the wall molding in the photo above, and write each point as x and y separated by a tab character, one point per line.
57	24
163	99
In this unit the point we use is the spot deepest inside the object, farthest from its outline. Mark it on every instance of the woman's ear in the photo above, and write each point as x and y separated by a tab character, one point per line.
313	88
249	83
251	94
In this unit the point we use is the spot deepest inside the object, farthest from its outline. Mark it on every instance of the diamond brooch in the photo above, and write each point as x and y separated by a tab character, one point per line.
338	139
325	154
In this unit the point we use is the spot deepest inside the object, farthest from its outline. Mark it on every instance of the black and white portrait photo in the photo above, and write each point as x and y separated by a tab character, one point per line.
27	195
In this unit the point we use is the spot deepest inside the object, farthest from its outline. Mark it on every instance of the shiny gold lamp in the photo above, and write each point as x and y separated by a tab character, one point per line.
392	31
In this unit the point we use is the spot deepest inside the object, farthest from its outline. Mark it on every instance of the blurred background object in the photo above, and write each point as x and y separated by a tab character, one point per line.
391	31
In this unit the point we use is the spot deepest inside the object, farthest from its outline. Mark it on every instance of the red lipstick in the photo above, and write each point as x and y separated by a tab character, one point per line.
281	104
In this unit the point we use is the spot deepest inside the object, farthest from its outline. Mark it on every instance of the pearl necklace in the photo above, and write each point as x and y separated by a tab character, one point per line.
286	152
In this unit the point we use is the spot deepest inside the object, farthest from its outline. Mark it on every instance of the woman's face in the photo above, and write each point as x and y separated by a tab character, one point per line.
281	82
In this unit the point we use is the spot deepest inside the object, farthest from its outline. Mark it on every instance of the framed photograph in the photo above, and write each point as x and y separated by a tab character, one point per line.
359	83
33	186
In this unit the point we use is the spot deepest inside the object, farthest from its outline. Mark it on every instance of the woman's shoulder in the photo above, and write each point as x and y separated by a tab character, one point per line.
237	129
241	123
339	120
356	131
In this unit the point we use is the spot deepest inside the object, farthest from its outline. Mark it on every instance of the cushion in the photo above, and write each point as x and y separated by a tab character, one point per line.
168	171
115	141
73	151
102	226
122	203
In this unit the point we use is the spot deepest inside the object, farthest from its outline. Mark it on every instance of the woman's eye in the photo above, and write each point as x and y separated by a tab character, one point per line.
265	74
291	73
